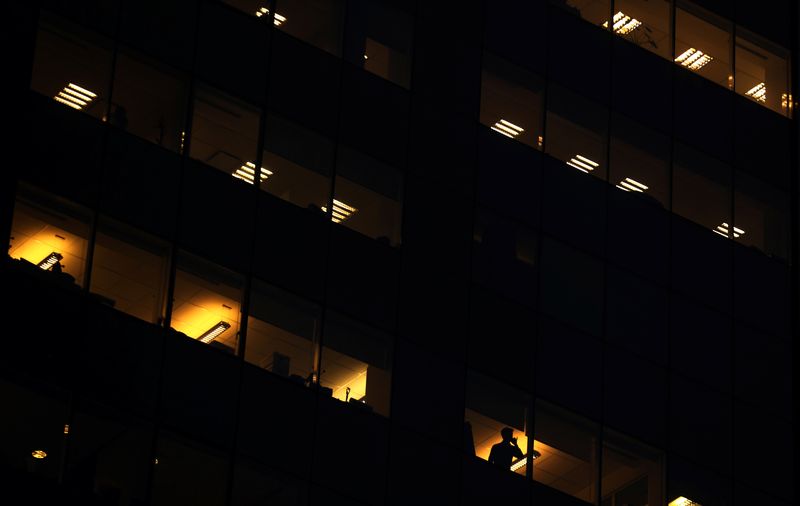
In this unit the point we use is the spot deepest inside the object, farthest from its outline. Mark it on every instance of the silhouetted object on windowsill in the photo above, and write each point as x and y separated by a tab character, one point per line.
56	268
118	117
506	451
469	441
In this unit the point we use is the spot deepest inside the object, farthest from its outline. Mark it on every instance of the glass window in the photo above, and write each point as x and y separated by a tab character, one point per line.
761	216
565	447
187	472
207	302
646	23
367	196
149	100
282	333
595	11
318	22
703	43
639	160
762	72
129	268
702	189
255	483
72	65
51	234
511	101
258	8
632	472
356	364
297	162
225	134
379	40
496	423
576	131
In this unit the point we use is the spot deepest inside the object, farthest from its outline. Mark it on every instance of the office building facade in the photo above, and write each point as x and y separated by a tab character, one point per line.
366	252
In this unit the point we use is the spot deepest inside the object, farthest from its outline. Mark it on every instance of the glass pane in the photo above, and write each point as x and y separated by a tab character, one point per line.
595	11
646	23
225	133
258	8
639	160
72	65
567	452
129	268
255	484
297	163
702	189
703	44
632	472
496	423
511	101
762	72
356	364
50	234
318	22
379	40
576	131
282	333
149	100
207	303
188	473
367	196
761	216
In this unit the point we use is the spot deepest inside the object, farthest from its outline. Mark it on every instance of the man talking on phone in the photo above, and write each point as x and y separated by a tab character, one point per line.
504	452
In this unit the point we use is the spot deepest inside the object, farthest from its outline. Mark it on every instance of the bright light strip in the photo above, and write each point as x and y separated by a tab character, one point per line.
693	59
66	102
582	163
49	261
340	212
507	128
247	173
758	92
214	332
724	231
82	90
624	24
38	454
72	99
279	20
682	501
75	96
518	464
629	184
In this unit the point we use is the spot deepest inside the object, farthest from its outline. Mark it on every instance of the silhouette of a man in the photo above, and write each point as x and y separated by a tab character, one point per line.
504	452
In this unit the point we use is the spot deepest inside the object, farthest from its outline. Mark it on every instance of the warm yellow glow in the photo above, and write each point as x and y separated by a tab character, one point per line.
582	163
540	141
357	385
75	96
624	24
507	128
66	429
724	231
214	332
758	92
631	185
72	98
82	90
341	211
693	59
682	501
279	20
247	173
48	262
38	454
66	102
786	101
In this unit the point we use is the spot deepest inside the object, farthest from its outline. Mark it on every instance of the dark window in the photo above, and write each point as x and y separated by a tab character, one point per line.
632	472
318	22
640	160
702	190
761	216
594	11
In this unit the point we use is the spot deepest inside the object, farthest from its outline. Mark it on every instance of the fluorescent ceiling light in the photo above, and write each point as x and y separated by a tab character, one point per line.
631	185
247	173
524	460
693	59
582	163
38	454
214	332
682	501
49	261
725	232
75	96
341	211
279	20
758	92
624	24
507	128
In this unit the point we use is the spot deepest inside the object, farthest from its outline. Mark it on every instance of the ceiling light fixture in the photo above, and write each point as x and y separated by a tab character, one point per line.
247	173
279	20
524	460
582	163
631	185
758	92
624	24
507	128
341	211
75	96
693	59
38	454
49	261
682	501
214	332
725	232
